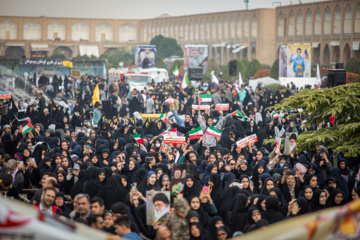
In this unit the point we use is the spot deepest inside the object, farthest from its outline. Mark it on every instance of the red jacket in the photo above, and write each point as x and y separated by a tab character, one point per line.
55	209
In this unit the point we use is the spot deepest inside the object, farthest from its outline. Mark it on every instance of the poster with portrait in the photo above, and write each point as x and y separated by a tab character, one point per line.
298	61
86	131
283	61
145	52
290	142
178	177
196	56
157	207
22	105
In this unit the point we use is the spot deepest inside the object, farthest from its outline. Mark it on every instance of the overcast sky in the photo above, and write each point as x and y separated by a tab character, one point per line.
128	9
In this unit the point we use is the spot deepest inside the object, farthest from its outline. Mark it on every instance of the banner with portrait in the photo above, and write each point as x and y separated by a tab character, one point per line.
178	177
196	56
157	207
290	142
145	52
298	61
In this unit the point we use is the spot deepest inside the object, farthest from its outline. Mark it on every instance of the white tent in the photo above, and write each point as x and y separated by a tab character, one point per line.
263	81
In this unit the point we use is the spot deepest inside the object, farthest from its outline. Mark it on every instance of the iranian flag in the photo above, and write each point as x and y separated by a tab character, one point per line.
27	127
170	131
186	82
176	71
239	114
170	101
213	132
205	99
195	133
275	115
23	119
138	138
162	117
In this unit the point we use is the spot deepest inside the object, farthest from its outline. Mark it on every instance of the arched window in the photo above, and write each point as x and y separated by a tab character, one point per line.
337	21
280	26
8	30
318	17
226	28
55	30
219	29
104	32
232	28
348	21
32	30
127	33
299	24
238	28
357	19
213	29
246	28
327	22
309	24
291	24
207	29
254	27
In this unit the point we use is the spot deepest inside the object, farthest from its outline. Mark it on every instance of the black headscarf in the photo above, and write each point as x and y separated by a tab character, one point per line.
272	215
79	185
236	218
194	190
315	204
113	192
92	183
216	190
330	202
211	234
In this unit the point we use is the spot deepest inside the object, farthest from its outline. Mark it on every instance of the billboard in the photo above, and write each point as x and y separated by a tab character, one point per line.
145	52
299	61
295	61
196	56
283	61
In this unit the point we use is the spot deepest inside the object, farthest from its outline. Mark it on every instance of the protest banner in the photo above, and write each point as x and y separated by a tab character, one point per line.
243	142
178	178
224	107
202	107
84	130
5	95
174	140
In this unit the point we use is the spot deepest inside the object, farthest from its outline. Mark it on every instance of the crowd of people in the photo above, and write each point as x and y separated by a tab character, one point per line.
100	176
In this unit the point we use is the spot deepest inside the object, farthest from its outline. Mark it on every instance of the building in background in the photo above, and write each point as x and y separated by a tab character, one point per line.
331	27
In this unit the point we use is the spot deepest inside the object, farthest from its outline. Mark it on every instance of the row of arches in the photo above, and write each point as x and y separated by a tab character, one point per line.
339	21
214	29
32	30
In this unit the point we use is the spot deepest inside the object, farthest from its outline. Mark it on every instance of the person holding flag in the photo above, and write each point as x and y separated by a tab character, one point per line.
211	132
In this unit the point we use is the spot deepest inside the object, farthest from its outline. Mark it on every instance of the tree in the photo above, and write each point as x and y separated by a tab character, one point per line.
178	63
353	66
342	102
206	77
160	62
166	47
274	72
253	67
213	66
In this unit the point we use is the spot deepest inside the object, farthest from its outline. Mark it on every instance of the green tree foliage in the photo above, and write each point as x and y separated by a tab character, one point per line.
274	72
160	62
341	101
353	66
252	69
206	77
119	55
177	63
213	66
166	47
246	63
239	67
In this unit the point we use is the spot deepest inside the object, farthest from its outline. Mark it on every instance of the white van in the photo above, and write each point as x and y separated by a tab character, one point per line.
157	74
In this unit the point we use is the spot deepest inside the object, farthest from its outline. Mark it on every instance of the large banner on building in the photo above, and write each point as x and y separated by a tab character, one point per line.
299	61
283	61
145	52
196	56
